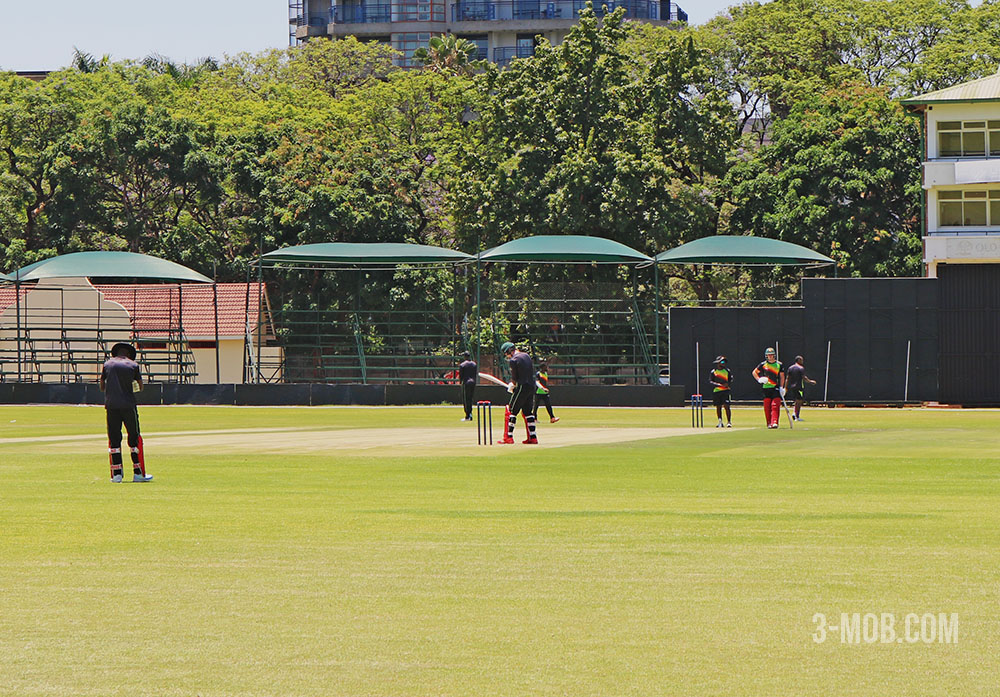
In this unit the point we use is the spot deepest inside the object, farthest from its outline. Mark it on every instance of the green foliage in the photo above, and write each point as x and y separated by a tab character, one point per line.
841	176
589	137
450	54
774	119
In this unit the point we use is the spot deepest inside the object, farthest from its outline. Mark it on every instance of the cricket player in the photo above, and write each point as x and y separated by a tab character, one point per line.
721	380
542	392
797	376
468	374
771	376
117	376
522	386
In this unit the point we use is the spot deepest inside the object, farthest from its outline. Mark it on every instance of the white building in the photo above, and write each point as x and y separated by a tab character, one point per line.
961	173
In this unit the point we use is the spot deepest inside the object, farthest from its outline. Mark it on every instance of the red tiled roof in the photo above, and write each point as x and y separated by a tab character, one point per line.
7	297
152	306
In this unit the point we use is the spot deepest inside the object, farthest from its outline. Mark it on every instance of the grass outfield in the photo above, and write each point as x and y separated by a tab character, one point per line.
680	565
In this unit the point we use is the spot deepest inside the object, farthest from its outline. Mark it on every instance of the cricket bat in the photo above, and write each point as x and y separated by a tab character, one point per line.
496	381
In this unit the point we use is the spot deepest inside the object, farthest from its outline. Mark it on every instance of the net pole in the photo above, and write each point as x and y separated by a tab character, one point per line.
826	380
906	385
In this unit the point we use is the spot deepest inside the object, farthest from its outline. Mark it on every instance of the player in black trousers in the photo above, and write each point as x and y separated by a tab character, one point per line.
542	393
796	377
522	387
468	374
117	376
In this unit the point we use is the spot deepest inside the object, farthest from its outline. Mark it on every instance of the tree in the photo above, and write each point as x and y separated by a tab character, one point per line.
592	137
450	54
841	176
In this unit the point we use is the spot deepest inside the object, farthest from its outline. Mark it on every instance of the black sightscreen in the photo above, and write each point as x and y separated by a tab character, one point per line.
969	328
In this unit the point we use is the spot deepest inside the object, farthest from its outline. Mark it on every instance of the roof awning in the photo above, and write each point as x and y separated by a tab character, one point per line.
572	249
740	250
5	277
108	265
364	254
985	89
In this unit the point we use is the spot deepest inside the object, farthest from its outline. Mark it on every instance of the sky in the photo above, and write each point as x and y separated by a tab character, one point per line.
42	37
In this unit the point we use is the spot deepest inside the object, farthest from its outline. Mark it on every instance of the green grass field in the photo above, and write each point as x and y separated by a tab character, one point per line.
681	565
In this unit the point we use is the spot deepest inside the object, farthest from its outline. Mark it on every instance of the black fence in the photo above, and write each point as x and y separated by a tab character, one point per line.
969	333
881	336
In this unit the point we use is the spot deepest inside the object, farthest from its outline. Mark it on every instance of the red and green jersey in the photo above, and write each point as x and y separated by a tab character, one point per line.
721	379
543	380
771	371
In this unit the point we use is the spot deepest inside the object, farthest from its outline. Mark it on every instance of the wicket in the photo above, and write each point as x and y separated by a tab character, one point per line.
484	415
697	411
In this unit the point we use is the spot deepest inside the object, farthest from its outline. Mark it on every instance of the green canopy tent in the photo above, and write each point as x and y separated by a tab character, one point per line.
351	254
5	277
566	249
358	256
741	250
100	265
108	265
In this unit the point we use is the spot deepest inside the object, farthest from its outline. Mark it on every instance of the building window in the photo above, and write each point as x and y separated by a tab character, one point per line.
418	11
968	138
969	208
407	44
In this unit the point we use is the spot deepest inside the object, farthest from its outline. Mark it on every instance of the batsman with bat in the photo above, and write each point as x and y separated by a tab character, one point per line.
522	375
117	377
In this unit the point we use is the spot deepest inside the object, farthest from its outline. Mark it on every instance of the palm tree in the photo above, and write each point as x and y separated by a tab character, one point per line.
86	63
449	54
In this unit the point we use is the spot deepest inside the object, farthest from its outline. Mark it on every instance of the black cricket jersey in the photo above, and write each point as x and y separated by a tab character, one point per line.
522	370
119	373
794	375
468	372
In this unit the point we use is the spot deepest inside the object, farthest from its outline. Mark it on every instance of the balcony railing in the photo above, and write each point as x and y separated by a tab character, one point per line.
503	55
478	10
369	13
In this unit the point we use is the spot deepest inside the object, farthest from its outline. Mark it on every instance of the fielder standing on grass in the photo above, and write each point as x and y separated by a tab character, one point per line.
522	386
468	374
117	376
797	376
542	393
721	380
771	376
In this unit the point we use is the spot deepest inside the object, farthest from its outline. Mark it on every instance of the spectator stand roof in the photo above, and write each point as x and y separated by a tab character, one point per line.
742	250
333	255
565	249
108	265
